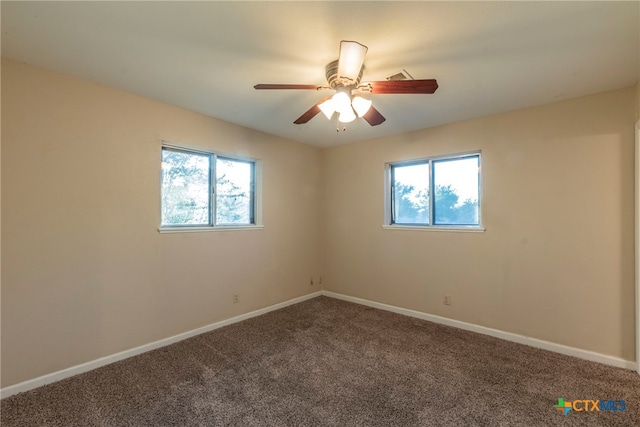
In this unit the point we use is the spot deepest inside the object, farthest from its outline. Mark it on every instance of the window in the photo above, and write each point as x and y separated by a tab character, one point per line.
202	189
442	191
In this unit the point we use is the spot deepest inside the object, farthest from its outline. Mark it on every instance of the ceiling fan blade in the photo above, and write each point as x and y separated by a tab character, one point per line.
351	59
285	86
373	117
404	86
310	113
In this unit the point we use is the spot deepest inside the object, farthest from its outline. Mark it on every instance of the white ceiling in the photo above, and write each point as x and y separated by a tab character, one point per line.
488	57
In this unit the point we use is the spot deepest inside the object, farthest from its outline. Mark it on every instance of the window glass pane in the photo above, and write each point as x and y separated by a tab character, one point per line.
410	188
456	191
185	188
234	201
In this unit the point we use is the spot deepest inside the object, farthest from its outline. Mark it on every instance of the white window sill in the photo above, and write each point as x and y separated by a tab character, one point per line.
202	229
453	229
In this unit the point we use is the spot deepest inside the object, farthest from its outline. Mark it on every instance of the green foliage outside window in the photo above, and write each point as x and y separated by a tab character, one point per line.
190	198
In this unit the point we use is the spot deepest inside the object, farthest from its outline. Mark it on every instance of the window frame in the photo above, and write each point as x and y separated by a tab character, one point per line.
254	196
389	202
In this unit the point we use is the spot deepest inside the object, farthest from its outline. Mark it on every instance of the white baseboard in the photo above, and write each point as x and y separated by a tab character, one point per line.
97	363
508	336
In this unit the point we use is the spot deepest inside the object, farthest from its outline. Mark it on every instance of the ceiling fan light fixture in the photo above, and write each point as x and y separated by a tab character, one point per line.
347	116
327	108
361	105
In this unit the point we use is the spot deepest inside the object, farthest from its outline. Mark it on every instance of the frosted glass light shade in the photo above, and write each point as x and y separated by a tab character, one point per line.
361	105
341	101
347	116
327	108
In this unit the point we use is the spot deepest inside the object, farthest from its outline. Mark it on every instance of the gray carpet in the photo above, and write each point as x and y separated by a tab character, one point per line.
326	362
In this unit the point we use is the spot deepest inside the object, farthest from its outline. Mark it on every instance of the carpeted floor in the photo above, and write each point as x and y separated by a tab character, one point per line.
326	362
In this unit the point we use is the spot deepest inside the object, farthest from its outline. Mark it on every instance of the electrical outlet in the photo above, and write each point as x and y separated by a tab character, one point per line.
447	300
236	298
310	281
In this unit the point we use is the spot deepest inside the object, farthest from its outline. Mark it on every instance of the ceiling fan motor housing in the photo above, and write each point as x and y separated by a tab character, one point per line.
335	81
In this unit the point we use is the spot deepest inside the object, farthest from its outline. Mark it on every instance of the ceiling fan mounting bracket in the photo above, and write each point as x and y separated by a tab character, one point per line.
365	88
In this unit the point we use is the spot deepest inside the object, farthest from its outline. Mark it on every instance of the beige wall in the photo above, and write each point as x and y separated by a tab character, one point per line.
85	272
556	260
638	100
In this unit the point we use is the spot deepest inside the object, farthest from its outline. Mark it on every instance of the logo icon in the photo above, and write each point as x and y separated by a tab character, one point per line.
563	406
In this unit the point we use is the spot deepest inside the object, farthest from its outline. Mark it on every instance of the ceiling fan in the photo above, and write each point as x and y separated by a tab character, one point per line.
344	77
